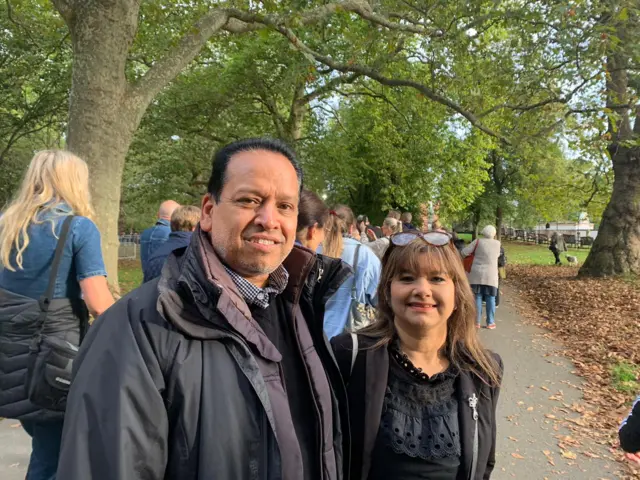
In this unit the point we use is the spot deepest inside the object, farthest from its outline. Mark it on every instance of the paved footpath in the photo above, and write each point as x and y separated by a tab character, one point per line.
527	438
528	430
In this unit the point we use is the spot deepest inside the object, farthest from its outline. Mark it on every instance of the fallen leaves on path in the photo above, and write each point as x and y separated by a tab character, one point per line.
598	321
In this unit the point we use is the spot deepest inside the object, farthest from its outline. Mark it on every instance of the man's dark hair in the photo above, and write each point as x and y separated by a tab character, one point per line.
223	156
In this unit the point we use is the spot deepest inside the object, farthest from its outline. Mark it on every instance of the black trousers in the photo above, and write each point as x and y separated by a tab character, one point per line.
556	254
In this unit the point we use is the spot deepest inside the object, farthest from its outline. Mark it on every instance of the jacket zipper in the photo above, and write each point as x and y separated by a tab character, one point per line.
473	403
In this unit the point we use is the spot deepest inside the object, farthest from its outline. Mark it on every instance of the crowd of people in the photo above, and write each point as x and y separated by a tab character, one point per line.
273	337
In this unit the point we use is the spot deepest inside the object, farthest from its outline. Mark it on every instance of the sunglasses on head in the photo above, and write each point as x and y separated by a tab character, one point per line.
436	239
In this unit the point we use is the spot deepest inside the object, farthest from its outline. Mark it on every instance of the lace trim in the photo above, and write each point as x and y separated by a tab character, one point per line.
420	419
427	438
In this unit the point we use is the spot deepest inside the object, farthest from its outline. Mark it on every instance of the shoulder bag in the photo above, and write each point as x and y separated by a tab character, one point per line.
50	357
468	260
359	315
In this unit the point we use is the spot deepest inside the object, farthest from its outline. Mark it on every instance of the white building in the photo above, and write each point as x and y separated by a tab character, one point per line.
581	228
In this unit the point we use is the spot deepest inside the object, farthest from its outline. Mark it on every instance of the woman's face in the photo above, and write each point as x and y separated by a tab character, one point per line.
386	231
423	300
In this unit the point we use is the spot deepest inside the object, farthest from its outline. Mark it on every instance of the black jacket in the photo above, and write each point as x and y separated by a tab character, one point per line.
366	386
630	430
177	381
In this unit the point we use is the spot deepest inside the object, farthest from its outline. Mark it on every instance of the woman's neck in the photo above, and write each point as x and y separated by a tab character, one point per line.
425	351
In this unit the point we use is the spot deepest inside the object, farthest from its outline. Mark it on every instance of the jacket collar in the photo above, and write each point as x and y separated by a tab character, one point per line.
194	284
181	235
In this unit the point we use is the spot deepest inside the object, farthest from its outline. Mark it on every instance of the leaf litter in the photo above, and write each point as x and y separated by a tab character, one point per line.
598	322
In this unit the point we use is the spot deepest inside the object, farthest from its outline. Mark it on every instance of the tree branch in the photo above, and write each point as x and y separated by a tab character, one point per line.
176	59
64	7
377	96
328	87
392	82
548	101
230	20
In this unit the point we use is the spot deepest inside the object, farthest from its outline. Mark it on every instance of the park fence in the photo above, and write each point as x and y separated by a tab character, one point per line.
129	247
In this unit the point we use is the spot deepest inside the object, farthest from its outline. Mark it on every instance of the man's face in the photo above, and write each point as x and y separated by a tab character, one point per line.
253	226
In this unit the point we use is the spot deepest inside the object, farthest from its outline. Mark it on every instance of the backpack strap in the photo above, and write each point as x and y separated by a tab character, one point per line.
45	301
354	292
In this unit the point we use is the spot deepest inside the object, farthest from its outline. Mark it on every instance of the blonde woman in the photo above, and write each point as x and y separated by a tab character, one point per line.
389	227
55	187
422	391
339	242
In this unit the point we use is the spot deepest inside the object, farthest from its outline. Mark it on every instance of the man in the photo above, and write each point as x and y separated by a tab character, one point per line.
406	218
155	236
219	369
183	222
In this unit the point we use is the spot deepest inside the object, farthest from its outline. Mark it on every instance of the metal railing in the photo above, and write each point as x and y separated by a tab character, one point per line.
129	247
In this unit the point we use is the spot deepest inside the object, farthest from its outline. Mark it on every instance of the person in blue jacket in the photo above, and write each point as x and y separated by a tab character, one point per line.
339	242
155	236
184	221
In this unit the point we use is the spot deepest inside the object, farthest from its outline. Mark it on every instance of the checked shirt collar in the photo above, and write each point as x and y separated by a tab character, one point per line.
257	296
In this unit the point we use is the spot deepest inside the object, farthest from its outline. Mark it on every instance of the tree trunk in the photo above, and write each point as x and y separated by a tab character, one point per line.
499	217
102	117
616	250
294	124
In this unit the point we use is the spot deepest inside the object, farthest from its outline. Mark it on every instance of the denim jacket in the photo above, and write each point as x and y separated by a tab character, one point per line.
151	239
81	259
367	279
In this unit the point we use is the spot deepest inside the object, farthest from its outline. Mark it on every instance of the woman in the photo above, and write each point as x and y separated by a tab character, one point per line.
360	290
313	215
55	187
422	391
484	275
389	227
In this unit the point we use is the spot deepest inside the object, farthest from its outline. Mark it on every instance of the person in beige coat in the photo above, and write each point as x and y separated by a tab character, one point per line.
484	273
389	227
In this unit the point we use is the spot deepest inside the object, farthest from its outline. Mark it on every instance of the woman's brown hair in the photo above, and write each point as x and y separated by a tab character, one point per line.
339	224
462	346
311	211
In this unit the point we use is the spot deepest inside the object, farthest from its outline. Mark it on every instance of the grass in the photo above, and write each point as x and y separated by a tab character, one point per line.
624	376
129	275
519	253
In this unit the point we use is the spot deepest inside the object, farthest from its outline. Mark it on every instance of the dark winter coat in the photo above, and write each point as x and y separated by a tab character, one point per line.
177	381
630	430
366	387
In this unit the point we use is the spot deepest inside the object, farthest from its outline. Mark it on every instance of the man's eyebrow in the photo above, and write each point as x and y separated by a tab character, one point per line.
288	198
248	191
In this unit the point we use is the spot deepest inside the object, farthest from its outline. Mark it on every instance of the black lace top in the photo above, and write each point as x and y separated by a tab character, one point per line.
419	435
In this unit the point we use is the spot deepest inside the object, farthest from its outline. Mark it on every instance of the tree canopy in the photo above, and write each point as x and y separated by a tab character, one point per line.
518	111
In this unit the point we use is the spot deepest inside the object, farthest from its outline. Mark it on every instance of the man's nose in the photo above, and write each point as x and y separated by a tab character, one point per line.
267	216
